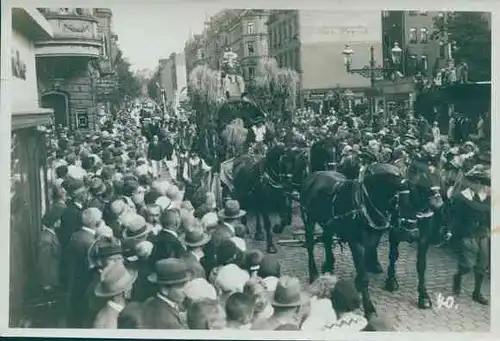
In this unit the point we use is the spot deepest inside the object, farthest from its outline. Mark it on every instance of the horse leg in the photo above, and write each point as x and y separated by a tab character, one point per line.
309	236
362	282
259	235
329	264
391	283
372	263
269	236
285	216
425	227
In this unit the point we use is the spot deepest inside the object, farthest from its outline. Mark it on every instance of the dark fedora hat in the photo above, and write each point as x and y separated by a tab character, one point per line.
170	271
288	293
97	186
231	210
74	186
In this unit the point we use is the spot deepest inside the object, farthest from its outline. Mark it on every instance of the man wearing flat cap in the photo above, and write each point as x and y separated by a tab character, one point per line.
164	310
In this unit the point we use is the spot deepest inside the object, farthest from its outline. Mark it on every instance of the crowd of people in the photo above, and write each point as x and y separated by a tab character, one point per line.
125	249
128	244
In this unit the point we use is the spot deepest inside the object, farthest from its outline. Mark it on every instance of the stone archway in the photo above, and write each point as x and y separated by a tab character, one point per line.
59	101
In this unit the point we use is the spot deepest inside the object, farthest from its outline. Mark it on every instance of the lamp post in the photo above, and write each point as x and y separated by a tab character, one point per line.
350	96
371	71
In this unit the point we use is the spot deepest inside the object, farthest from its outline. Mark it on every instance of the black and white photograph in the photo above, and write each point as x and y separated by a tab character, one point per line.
193	166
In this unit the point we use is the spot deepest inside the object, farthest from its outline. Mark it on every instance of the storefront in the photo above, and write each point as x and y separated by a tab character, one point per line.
29	190
398	96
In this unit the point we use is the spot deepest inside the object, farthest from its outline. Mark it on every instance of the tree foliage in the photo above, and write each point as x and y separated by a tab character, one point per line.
152	86
472	36
127	83
275	89
205	92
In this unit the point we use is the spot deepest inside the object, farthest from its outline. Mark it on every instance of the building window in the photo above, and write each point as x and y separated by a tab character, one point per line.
385	14
412	63
250	28
251	72
79	11
285	32
413	36
290	30
423	63
250	48
424	36
413	13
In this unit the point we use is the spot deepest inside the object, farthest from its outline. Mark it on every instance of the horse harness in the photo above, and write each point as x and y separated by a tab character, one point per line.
361	198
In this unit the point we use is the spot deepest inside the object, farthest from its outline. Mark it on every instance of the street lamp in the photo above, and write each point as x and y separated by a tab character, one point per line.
371	71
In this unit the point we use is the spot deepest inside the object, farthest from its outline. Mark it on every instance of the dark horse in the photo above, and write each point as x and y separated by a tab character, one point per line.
422	205
260	187
324	155
355	211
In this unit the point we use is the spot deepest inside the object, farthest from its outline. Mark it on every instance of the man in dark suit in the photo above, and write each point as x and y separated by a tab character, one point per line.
163	311
156	155
167	243
49	263
79	274
71	219
230	218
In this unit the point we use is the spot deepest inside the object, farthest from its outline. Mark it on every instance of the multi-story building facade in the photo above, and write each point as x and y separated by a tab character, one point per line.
311	43
412	30
244	31
194	52
173	78
72	64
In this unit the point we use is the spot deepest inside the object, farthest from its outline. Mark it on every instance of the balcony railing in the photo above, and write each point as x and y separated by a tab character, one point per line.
75	34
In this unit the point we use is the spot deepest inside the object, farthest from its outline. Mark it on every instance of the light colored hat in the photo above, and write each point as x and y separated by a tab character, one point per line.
195	236
136	227
271	283
240	243
210	220
288	293
230	278
76	172
91	217
200	289
144	249
115	279
104	230
119	207
164	202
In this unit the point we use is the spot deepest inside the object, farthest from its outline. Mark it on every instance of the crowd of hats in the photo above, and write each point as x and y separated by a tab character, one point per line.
108	175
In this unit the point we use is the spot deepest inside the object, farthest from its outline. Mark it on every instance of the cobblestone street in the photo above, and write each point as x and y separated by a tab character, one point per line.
400	306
